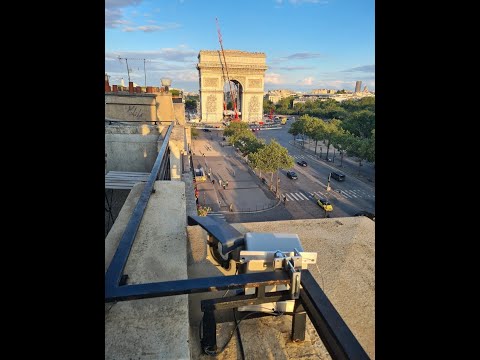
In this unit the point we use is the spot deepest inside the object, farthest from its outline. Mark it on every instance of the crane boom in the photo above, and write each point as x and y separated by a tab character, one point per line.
226	70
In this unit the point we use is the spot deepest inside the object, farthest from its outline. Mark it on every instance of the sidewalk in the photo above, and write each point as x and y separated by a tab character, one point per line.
244	190
365	173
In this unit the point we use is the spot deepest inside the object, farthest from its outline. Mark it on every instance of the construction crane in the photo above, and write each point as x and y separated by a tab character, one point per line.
234	102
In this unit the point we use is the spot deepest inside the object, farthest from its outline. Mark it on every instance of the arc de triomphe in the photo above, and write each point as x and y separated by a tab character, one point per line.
244	68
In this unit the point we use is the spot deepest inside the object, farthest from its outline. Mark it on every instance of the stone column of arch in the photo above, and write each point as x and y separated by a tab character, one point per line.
247	68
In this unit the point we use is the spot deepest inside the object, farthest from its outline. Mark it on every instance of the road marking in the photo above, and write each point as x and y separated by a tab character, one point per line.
288	197
342	192
301	194
294	196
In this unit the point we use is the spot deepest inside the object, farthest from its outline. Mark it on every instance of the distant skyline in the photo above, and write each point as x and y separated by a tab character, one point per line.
309	44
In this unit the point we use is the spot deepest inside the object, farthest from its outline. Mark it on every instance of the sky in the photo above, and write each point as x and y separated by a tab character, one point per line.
309	44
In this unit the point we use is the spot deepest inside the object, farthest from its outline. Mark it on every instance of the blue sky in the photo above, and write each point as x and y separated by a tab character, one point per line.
309	44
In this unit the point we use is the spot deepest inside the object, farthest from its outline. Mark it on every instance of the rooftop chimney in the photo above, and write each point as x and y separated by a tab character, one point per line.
107	85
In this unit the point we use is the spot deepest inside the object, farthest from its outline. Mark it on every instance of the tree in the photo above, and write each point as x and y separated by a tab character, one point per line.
268	105
235	127
175	92
190	104
358	147
360	123
271	158
340	141
296	128
330	130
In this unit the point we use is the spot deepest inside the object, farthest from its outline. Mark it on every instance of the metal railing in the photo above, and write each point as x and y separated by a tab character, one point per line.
160	170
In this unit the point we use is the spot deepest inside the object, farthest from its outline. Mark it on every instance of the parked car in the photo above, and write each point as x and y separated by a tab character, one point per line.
302	163
324	204
207	130
338	176
292	175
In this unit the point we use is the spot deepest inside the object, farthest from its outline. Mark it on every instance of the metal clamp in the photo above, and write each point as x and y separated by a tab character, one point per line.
293	266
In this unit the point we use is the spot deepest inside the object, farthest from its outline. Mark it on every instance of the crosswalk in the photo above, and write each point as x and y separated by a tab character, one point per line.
301	196
348	194
217	215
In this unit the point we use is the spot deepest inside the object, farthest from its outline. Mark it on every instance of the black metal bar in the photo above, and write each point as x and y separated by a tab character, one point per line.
299	322
335	334
243	300
192	286
260	291
209	333
115	269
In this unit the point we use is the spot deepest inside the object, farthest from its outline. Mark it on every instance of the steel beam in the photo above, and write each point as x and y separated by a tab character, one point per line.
334	332
192	286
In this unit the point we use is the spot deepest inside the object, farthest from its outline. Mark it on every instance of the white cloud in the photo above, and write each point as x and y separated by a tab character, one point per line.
336	84
279	1
307	81
272	78
120	3
151	28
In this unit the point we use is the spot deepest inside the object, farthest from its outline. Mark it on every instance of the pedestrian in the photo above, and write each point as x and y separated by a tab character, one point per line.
226	183
220	182
223	186
213	181
284	199
231	208
233	172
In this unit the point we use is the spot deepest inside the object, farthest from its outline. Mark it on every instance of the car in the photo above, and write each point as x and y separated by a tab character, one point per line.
324	204
302	163
367	214
338	176
292	175
207	130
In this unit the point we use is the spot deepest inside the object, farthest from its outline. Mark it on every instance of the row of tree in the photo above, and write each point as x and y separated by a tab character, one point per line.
355	137
267	158
325	109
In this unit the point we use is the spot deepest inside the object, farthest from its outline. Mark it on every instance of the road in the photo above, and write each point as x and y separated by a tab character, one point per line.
347	197
248	194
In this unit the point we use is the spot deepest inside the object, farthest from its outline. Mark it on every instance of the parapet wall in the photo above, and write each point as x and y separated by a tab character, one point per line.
132	147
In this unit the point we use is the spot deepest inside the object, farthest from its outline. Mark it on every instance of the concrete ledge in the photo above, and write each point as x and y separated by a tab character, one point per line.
151	328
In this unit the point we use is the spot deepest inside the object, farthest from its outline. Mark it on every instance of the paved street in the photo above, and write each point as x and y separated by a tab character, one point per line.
251	200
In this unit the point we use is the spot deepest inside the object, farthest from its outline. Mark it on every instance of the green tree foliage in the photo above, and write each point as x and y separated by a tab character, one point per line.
360	123
284	105
330	130
235	127
297	128
359	148
240	135
268	105
340	142
271	158
175	92
190	104
194	132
